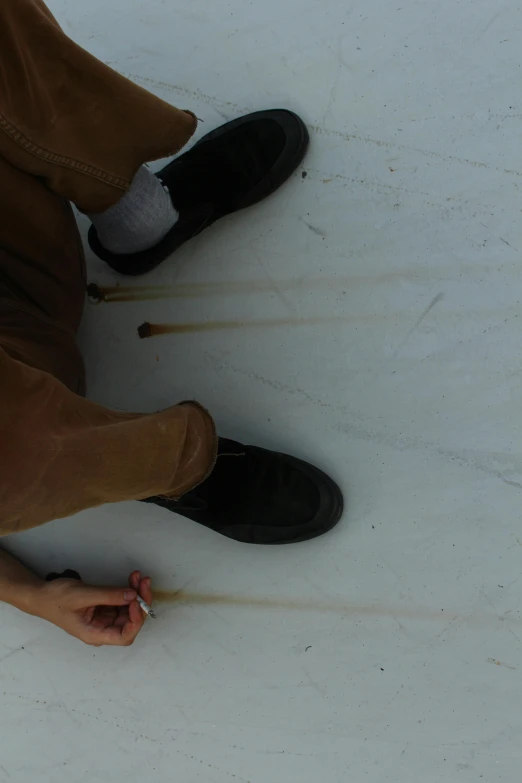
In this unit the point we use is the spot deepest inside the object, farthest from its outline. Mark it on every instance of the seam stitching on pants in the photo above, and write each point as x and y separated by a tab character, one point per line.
60	160
34	313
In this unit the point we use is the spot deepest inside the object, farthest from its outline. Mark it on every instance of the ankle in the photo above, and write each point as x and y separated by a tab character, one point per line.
140	219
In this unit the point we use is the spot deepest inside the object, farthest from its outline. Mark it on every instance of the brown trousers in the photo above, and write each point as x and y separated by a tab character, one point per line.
71	129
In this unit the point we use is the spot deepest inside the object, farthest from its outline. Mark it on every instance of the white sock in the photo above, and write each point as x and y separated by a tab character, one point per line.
140	219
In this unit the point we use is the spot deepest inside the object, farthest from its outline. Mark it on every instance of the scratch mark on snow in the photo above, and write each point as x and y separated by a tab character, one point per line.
438	298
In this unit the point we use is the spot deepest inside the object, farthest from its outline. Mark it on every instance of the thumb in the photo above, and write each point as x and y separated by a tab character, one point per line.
86	595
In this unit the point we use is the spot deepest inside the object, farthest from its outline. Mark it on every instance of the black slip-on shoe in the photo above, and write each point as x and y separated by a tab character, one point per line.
261	497
230	168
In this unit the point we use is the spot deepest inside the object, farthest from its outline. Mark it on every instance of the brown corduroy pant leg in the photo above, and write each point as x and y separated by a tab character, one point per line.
71	129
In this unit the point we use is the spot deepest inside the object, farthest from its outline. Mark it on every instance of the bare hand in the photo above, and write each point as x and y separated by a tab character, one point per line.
95	615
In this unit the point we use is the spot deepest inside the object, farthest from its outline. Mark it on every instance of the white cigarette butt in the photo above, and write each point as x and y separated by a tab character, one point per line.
146	608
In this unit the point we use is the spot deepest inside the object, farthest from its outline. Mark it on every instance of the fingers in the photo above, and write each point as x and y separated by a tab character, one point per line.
104	616
134	580
118	618
110	636
143	585
136	618
131	628
101	621
122	618
146	589
136	614
85	595
123	632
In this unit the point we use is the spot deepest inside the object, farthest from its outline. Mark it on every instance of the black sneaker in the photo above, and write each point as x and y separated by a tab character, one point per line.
229	169
261	497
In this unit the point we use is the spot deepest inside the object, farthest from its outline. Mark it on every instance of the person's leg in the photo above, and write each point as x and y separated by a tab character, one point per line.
84	130
59	452
88	132
42	277
70	119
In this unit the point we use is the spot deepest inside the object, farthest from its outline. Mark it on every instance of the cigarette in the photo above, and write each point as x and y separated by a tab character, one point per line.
146	608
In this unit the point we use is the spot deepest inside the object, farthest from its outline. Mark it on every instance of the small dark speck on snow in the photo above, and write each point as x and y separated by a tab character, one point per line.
304	174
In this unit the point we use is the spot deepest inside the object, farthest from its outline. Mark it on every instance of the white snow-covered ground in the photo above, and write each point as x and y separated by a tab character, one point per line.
378	296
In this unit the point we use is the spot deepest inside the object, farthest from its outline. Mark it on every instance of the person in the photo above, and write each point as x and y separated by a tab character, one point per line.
74	131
